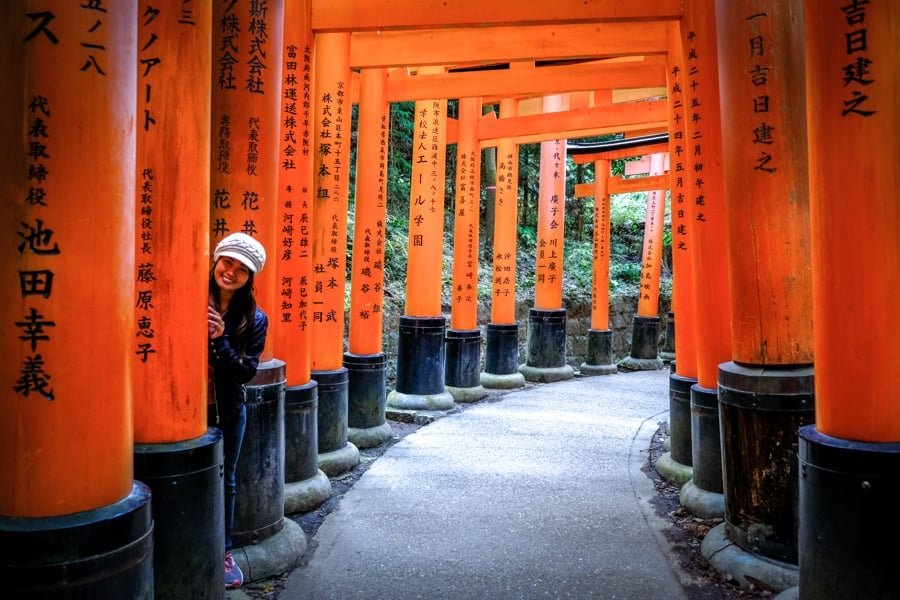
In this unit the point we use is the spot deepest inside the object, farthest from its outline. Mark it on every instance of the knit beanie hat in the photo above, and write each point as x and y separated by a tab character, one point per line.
244	248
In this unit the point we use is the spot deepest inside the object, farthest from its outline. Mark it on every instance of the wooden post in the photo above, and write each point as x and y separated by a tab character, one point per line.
599	360
645	332
501	361
175	453
366	362
712	294
305	485
420	348
331	172
463	347
850	460
546	354
246	113
68	285
761	55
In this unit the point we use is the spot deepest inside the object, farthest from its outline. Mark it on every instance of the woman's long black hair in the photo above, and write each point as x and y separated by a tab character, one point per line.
243	303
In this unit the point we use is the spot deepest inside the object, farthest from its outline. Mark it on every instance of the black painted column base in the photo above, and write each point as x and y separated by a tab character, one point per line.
462	366
259	507
644	355
103	553
848	526
305	485
185	480
501	357
675	466
420	366
367	426
545	360
702	495
667	354
599	359
760	411
336	454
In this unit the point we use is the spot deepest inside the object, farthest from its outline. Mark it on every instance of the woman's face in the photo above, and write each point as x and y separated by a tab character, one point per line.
231	275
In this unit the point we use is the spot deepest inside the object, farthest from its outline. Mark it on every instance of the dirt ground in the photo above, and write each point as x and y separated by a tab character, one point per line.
685	532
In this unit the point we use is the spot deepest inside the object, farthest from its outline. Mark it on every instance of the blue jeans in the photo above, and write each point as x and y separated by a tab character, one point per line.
232	438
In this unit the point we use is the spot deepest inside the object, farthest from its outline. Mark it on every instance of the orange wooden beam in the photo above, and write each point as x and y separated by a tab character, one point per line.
617	185
505	44
527	82
353	15
639	113
617	154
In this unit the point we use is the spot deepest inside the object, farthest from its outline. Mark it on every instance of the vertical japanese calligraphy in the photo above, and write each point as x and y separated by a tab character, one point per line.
551	218
503	295
67	274
367	285
648	299
331	152
600	275
426	210
464	299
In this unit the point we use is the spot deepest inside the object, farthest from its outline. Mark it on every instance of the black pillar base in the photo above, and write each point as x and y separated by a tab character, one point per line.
545	359
680	418
301	431
599	359
702	495
259	507
501	357
103	553
366	398
420	366
185	479
336	454
848	532
760	411
462	367
644	355
668	350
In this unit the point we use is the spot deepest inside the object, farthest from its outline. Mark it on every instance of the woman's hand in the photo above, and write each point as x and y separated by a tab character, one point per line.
216	325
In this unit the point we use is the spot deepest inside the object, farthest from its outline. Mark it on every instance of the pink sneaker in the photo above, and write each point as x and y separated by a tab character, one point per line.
233	575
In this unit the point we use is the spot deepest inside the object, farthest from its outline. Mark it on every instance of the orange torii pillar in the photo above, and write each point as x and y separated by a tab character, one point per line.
73	522
366	362
245	141
545	360
305	485
462	366
175	453
645	332
766	392
850	459
599	359
675	466
331	176
420	347
703	494
501	352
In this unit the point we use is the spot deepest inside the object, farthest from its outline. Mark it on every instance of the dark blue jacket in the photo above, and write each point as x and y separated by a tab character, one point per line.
233	368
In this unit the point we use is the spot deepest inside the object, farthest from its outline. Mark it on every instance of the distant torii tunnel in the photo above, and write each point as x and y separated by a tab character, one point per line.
138	135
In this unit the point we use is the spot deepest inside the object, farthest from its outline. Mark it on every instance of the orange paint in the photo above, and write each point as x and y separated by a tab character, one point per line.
289	324
503	294
648	301
168	379
551	218
246	116
67	274
426	210
331	172
681	186
464	295
854	142
600	281
367	290
766	181
709	232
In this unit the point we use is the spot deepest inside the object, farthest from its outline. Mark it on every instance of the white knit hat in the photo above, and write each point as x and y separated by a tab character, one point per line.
244	248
